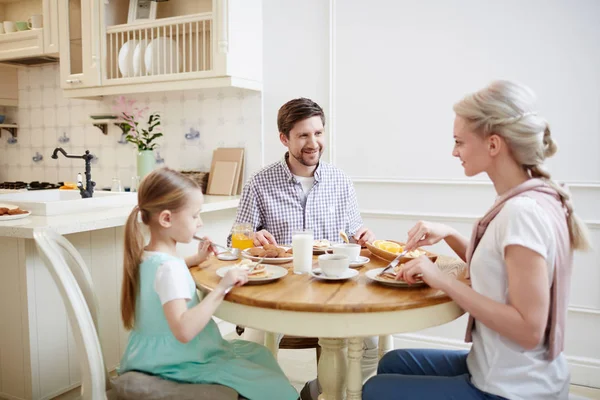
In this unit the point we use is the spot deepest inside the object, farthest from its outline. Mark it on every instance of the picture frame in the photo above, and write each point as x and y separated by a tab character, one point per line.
141	10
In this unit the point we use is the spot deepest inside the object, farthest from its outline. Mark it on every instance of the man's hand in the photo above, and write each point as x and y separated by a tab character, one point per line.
364	235
263	237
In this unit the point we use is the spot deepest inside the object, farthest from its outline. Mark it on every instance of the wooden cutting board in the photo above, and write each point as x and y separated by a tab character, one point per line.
223	180
231	154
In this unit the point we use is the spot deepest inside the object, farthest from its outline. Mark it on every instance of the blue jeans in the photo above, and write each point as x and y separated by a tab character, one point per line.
423	374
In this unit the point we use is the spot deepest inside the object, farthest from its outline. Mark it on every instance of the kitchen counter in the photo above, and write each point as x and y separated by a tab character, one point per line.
91	221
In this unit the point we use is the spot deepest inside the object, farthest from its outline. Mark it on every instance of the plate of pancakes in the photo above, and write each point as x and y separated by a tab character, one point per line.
263	273
389	277
272	254
9	212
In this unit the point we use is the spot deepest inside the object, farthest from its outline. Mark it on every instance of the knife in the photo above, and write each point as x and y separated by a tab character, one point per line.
394	262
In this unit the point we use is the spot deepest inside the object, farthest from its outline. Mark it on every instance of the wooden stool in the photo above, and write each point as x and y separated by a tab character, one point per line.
293	342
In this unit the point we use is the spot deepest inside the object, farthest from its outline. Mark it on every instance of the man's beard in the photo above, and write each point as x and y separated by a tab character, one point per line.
301	158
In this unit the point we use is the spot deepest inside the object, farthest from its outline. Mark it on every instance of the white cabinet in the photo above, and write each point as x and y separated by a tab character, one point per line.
79	43
30	46
188	44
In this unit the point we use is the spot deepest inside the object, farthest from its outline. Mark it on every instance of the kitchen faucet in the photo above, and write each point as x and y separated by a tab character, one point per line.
89	184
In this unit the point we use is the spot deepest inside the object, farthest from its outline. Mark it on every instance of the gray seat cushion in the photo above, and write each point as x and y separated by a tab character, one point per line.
136	385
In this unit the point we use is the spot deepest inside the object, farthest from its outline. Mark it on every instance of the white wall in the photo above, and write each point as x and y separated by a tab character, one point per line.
224	117
397	68
296	62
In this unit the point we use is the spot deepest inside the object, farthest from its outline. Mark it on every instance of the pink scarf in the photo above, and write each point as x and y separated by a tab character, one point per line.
550	201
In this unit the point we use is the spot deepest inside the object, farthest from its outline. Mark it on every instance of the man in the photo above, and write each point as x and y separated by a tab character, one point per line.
302	192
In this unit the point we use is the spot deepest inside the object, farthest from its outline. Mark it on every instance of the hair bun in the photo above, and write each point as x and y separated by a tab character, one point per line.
550	146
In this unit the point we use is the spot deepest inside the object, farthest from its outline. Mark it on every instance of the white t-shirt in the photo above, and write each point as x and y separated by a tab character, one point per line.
498	365
172	280
307	183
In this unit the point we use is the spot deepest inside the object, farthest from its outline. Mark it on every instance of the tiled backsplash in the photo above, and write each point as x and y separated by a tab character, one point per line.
223	117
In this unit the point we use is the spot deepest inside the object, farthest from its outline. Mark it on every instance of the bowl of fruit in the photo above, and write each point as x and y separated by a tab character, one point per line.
389	249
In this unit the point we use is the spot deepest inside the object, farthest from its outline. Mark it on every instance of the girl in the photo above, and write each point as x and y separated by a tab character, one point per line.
519	258
173	334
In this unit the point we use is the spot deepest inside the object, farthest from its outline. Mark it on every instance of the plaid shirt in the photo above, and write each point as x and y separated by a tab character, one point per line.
272	200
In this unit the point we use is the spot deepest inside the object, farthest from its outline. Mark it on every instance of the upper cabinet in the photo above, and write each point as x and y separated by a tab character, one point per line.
29	33
117	46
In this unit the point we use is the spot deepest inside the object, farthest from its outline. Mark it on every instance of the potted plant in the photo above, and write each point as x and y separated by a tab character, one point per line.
143	137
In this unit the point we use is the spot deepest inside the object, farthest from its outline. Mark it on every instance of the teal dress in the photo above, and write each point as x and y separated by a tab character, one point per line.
245	366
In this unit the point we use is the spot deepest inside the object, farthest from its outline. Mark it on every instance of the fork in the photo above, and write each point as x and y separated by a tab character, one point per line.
227	249
394	262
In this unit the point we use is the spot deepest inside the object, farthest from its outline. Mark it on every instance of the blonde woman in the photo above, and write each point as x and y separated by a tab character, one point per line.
519	257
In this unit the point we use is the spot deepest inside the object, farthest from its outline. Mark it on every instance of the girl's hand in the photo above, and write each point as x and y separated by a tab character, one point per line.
234	277
426	233
205	248
423	266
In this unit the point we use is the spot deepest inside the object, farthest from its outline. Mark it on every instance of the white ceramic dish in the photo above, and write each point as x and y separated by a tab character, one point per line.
126	58
374	276
17	216
359	262
276	273
161	56
282	260
317	273
139	63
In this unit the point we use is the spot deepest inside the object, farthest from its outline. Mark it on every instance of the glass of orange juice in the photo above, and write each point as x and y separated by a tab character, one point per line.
241	236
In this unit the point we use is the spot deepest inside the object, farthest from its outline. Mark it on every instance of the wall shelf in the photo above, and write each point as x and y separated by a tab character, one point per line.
12	128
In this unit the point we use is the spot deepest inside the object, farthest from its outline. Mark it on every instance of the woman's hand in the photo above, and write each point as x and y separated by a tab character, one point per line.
234	277
426	233
429	272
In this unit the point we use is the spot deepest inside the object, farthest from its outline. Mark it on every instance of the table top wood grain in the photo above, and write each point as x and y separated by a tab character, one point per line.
305	293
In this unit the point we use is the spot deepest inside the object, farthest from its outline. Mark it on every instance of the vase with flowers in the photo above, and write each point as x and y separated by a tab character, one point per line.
143	137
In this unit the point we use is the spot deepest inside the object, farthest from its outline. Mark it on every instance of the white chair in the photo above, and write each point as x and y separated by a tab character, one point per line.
69	272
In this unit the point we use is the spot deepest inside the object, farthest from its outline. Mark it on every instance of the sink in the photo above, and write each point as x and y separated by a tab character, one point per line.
57	202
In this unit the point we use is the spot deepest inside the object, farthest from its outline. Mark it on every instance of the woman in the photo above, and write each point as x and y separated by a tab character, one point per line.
519	258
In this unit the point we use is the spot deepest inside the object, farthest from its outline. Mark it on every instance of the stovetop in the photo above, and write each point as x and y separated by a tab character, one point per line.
34	185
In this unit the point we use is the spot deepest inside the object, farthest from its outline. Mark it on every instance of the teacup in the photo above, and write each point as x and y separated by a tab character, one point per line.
334	265
9	27
22	25
352	250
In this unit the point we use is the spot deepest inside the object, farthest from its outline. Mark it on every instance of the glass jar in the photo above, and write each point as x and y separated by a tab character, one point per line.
116	185
241	236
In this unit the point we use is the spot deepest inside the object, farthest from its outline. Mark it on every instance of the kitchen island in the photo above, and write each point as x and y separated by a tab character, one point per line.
38	358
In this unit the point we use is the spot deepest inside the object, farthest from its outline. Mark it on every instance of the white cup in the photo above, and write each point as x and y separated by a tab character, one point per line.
9	27
352	250
35	21
334	265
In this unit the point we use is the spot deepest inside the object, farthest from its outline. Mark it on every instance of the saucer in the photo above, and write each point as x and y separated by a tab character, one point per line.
350	273
359	262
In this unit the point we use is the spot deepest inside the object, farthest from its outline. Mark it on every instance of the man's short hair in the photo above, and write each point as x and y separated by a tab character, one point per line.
297	110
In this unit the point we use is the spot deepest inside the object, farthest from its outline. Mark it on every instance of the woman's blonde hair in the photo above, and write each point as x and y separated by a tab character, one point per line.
162	189
505	108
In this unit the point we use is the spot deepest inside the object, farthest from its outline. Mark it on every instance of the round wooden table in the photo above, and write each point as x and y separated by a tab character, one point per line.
340	314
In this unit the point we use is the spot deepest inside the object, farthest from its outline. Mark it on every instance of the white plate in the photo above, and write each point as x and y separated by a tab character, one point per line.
11	217
126	57
139	64
282	260
276	273
359	262
350	273
161	56
374	276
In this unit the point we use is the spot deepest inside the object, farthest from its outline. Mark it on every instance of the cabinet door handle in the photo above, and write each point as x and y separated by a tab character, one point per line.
73	81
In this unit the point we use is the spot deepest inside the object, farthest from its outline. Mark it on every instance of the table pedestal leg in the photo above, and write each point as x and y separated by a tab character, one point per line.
272	343
386	344
354	380
332	368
